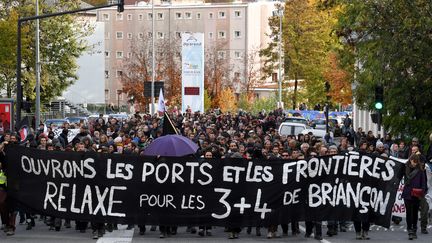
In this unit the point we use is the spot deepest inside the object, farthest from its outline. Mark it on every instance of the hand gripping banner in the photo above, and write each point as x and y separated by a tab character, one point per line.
188	191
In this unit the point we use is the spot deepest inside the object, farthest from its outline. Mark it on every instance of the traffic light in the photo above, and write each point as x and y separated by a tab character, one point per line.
376	117
120	6
379	97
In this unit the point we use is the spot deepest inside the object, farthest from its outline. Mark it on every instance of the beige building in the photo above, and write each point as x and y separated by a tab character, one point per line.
236	29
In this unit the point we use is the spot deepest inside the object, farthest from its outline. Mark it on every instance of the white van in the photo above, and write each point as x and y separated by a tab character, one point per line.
292	128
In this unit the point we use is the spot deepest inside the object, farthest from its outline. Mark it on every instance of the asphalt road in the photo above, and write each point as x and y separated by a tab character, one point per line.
41	233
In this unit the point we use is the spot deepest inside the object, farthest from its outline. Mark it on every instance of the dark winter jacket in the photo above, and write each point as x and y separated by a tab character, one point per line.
414	178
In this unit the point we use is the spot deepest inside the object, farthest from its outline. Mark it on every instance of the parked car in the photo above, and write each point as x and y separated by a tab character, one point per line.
120	117
292	128
78	120
321	125
92	118
58	123
296	119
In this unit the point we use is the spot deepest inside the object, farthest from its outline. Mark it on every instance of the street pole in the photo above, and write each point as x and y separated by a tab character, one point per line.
280	11
153	61
326	108
19	93
38	69
118	101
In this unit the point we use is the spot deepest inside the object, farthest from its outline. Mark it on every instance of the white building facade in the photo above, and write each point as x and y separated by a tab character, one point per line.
240	27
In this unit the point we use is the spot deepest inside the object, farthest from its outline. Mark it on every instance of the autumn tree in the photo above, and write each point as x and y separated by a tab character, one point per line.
216	71
227	100
207	100
253	74
307	41
339	80
137	70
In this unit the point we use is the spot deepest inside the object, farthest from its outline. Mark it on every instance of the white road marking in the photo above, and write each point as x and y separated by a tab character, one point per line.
122	235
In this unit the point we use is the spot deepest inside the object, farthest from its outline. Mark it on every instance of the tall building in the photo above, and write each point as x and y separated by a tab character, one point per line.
235	29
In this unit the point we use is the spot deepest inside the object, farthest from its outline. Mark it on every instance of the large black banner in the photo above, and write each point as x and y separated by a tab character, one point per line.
184	191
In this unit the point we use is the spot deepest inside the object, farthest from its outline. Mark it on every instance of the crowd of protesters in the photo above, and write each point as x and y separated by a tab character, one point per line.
228	135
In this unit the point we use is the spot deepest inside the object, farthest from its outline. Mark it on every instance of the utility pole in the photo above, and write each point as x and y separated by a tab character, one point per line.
280	14
38	69
153	61
326	108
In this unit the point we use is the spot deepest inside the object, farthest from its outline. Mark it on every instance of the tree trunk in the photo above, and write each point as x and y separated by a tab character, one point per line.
8	90
295	91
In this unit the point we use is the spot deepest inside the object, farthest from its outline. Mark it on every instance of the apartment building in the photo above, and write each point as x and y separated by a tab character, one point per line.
236	29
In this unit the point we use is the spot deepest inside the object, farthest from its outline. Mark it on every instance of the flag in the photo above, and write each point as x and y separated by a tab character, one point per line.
168	126
23	132
161	104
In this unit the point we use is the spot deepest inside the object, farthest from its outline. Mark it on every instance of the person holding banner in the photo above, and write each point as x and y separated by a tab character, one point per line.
3	206
317	225
424	207
414	190
206	230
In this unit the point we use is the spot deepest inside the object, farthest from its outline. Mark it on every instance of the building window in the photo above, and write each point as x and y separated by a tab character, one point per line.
221	54
129	36
107	35
221	35
129	55
106	74
160	35
141	35
119	73
210	15
129	17
149	16
105	17
106	94
178	35
149	34
237	34
274	77
178	15
107	54
119	54
160	16
237	55
188	15
198	16
140	17
221	15
119	35
210	35
119	16
237	14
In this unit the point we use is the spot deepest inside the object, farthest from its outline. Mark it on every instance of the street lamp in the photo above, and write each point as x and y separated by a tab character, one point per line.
119	92
280	13
153	61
